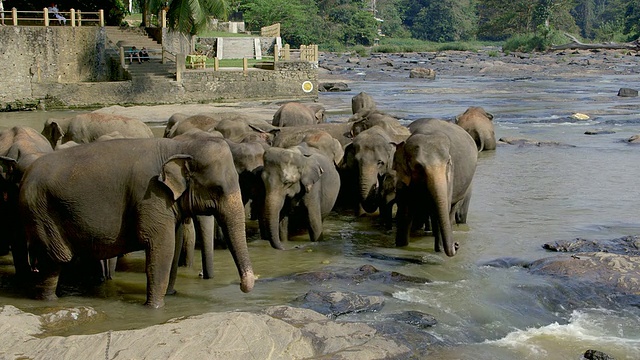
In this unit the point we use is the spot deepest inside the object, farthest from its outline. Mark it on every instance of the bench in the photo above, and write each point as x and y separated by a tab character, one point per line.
195	61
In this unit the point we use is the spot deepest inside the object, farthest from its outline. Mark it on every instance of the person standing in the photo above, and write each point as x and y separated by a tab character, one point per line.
2	12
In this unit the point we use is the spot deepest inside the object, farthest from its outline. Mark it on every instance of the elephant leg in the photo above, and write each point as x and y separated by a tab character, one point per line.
188	243
109	267
205	228
46	278
386	215
284	228
177	252
315	222
404	220
462	208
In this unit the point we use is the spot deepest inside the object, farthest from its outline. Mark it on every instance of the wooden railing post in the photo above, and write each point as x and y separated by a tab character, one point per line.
73	17
46	17
122	56
163	15
216	64
180	66
245	66
14	16
276	53
287	54
101	18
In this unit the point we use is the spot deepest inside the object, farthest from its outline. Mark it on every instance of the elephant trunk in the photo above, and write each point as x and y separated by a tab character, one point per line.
439	188
272	208
369	188
232	222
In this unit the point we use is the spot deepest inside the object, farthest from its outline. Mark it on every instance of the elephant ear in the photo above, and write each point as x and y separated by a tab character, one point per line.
175	174
53	131
489	115
311	173
403	171
7	167
349	158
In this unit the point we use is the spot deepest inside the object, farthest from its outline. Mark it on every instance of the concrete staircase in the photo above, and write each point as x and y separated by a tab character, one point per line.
238	48
152	70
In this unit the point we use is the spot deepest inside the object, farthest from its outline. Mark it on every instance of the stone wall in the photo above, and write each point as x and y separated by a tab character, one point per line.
61	67
54	55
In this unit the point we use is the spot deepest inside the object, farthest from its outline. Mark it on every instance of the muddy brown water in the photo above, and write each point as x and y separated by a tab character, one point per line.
522	197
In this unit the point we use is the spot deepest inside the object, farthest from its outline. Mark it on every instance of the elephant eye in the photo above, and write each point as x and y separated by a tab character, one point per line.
380	163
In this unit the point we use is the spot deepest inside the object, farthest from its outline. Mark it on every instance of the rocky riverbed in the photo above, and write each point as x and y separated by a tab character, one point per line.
324	324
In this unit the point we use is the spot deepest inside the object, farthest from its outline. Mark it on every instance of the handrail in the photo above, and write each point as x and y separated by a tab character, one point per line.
73	17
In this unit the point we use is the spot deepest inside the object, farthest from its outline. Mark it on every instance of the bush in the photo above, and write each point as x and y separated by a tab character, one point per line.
539	41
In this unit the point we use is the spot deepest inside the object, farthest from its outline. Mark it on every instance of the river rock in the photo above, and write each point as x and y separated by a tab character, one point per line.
596	355
334	86
613	272
350	276
599	132
416	318
626	245
530	142
635	139
422	73
626	92
277	333
337	303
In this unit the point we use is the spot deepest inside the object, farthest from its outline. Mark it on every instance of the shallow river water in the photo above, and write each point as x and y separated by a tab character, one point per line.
522	198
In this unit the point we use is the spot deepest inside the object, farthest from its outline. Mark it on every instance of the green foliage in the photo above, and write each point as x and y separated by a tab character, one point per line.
441	21
299	23
540	41
610	31
392	45
493	53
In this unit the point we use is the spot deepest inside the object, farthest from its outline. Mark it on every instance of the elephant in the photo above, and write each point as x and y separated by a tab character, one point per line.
20	146
435	168
339	131
295	113
478	123
85	128
362	102
172	121
129	195
368	160
200	121
370	118
299	181
313	137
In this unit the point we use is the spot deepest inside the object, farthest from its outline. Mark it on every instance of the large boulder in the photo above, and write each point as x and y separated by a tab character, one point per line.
422	73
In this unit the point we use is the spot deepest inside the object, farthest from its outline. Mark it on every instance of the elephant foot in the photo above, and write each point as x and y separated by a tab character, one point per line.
154	304
456	246
171	292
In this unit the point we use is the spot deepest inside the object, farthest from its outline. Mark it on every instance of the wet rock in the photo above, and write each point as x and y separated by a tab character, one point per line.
400	257
629	245
626	92
529	142
596	355
506	262
613	272
347	275
336	303
599	132
580	116
635	139
422	73
68	318
416	318
337	86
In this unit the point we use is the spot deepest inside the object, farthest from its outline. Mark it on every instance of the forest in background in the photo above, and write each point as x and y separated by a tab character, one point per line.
339	24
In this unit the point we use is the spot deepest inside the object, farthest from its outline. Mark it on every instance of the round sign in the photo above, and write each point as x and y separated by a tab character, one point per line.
307	86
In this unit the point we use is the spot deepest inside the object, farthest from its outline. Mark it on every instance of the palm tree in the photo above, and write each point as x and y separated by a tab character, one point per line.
187	16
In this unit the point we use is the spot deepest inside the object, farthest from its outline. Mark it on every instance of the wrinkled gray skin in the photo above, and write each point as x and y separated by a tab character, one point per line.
20	146
478	123
86	128
234	126
362	102
435	168
367	119
368	160
143	187
339	131
295	113
298	181
172	121
313	137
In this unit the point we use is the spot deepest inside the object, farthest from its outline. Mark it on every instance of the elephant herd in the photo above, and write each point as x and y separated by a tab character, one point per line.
98	186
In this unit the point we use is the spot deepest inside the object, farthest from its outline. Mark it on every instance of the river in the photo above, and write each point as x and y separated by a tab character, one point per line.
522	198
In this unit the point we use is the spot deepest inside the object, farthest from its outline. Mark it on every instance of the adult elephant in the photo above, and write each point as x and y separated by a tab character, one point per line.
478	123
172	122
313	137
339	131
129	196
298	181
367	119
19	147
368	161
86	128
362	102
435	168
295	113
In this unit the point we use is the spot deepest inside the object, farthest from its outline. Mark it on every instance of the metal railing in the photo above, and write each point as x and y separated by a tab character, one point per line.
71	18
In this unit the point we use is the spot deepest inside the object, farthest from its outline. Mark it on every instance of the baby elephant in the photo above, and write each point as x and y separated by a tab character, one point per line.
295	113
478	123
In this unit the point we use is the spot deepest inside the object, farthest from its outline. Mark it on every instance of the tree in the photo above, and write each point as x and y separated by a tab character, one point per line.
187	16
299	22
442	20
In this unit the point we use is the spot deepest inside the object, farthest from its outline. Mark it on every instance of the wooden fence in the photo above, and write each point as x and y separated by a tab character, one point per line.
45	18
305	53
